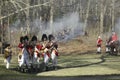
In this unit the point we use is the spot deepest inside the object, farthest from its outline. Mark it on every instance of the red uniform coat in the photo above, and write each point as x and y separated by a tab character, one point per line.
21	45
114	37
99	42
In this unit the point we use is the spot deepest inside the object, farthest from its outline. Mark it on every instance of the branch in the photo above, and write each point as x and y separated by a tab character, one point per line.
24	9
22	3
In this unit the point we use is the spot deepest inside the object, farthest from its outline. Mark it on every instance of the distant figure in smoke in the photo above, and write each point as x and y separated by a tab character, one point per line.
99	43
54	51
7	55
86	34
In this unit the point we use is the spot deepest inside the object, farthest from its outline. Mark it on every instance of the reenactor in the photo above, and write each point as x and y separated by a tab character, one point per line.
7	55
54	51
99	43
45	47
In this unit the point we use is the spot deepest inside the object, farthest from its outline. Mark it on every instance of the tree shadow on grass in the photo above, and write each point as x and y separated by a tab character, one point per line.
84	63
32	76
70	63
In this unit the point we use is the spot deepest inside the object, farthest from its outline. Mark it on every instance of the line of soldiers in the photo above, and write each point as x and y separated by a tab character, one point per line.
112	39
33	51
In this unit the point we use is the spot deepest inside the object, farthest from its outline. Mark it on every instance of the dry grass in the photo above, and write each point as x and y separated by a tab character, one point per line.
78	45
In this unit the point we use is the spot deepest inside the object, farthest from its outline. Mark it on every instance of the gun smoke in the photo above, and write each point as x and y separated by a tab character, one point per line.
65	28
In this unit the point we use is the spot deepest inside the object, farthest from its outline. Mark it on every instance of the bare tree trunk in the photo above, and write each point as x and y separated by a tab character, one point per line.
1	27
27	17
103	11
101	18
51	17
113	18
96	7
87	15
33	10
40	10
8	31
80	9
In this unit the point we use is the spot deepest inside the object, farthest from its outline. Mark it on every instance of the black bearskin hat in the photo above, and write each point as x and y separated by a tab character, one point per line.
55	46
21	39
34	38
26	38
44	37
51	37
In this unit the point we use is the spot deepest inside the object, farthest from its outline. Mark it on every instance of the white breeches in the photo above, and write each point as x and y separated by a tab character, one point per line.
35	58
98	49
54	58
8	62
107	49
46	59
24	59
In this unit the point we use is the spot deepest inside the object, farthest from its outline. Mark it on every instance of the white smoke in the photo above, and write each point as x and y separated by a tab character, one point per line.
65	28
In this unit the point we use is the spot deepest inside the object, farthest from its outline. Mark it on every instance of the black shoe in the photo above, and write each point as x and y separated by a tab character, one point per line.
46	68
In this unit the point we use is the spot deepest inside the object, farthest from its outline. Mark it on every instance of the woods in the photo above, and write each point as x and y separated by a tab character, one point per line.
59	38
96	15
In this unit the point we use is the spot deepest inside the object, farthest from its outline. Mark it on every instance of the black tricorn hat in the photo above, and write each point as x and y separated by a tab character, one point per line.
44	37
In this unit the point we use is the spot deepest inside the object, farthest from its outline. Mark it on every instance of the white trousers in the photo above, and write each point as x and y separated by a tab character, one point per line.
24	59
35	58
54	58
46	58
99	49
107	49
8	62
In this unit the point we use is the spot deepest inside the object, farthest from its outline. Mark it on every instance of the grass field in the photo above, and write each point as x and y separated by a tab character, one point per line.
69	66
78	62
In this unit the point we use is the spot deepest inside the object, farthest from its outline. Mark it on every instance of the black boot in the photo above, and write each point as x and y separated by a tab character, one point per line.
55	67
46	68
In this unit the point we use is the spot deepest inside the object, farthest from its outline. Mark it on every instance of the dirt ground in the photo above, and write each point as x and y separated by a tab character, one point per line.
78	45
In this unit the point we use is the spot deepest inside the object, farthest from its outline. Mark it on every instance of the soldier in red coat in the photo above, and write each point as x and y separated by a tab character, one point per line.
114	38
45	47
20	46
23	56
99	43
37	49
54	50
